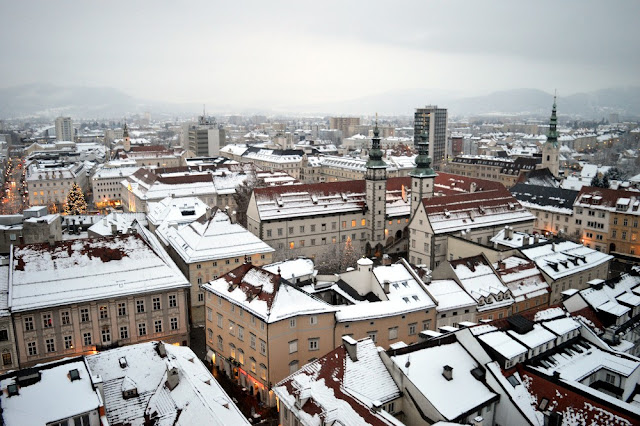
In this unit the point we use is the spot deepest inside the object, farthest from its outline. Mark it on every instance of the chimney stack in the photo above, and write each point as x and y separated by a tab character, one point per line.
351	347
447	372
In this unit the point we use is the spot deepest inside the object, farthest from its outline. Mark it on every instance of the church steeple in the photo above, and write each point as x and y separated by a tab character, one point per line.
376	197
126	144
552	136
551	148
423	176
423	162
375	155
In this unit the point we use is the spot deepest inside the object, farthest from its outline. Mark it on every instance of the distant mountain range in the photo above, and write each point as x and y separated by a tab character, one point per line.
528	102
104	102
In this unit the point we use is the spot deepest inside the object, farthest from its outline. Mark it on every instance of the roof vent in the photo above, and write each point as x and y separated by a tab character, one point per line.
28	377
162	351
123	362
74	375
12	390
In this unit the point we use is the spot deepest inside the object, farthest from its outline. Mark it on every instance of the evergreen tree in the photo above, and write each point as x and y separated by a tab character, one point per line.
76	203
614	174
596	181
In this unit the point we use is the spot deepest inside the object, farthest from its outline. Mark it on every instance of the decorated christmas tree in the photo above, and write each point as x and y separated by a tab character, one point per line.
76	203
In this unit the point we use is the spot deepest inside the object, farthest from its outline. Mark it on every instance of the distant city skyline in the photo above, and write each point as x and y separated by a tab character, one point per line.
279	54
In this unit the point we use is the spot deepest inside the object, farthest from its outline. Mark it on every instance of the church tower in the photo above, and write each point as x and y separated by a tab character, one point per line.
376	193
423	176
551	148
126	145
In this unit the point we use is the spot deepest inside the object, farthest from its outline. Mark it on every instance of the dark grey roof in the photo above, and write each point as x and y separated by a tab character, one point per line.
542	177
544	195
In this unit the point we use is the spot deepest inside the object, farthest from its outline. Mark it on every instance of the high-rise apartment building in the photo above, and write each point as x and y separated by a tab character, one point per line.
432	121
343	124
206	137
64	129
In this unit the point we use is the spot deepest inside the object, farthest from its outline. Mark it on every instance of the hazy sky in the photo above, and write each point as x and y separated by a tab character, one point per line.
275	52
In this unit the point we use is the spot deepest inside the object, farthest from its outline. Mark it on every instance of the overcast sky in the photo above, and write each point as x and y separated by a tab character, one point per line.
274	52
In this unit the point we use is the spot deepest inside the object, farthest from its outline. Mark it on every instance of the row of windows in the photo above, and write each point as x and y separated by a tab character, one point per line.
228	261
323	227
393	331
65	316
63	183
50	345
263	344
625	222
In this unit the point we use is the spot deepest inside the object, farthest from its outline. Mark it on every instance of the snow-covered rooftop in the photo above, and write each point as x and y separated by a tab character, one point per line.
480	281
293	270
197	398
337	388
504	344
78	271
452	398
534	338
449	295
560	259
261	293
212	239
176	210
40	403
406	294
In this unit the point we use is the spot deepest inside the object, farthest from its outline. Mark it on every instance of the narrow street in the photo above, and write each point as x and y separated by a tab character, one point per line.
14	197
245	402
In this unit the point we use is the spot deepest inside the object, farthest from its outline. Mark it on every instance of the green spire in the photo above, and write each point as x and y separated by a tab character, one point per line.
375	155
423	162
552	136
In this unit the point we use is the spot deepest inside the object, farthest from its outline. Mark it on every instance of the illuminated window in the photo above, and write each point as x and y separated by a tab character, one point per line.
291	245
353	223
363	222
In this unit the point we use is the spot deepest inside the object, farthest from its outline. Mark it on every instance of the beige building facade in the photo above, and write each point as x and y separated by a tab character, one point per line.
79	329
69	299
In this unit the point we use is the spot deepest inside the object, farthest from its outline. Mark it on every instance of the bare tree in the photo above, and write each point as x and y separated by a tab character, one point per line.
243	196
337	258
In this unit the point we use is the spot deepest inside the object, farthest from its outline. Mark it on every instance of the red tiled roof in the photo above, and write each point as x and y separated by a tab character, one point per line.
518	268
148	148
529	314
582	408
446	183
331	370
466	201
187	178
92	247
236	278
590	314
609	196
474	260
450	184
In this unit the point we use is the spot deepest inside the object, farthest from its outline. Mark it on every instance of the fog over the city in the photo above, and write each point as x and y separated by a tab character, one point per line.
279	53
